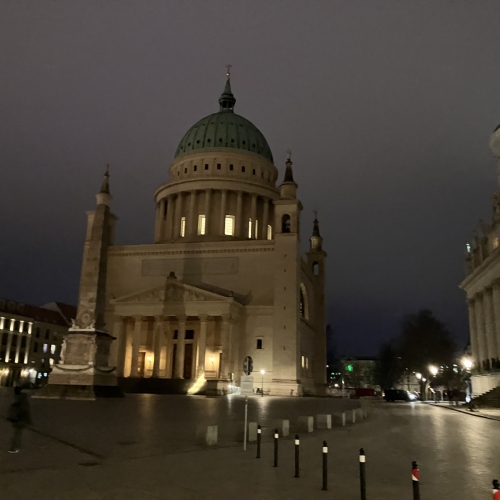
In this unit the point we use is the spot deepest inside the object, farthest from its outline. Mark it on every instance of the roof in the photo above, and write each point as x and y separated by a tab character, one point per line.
34	313
226	130
67	311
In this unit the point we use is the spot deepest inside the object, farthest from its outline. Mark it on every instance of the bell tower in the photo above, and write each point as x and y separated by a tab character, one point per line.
286	346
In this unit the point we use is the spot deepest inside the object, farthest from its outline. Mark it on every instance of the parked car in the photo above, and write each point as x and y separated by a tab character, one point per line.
398	395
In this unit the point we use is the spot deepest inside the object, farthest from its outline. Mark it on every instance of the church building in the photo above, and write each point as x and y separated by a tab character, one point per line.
482	285
223	280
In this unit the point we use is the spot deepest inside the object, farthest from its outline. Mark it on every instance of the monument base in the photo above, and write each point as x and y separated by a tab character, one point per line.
218	388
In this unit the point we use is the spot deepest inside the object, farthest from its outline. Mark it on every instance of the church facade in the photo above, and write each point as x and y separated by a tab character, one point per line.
224	278
482	285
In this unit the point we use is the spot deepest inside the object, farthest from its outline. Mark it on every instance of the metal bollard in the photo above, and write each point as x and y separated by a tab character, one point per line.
496	489
325	467
362	473
415	479
259	434
276	436
297	446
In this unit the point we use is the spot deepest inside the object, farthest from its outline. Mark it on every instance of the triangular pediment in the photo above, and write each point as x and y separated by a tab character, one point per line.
172	291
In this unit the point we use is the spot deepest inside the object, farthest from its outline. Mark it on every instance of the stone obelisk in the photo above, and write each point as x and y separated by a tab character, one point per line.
83	371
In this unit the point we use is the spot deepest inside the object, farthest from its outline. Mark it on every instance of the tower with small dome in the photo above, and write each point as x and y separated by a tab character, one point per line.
224	277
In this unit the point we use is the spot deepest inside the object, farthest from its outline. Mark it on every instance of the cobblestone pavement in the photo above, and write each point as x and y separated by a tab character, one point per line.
142	448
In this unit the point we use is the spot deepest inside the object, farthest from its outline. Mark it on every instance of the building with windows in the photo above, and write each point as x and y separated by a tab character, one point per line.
482	286
30	340
224	278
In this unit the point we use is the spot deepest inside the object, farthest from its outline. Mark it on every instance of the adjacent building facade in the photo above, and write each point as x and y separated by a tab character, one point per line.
224	278
30	340
482	286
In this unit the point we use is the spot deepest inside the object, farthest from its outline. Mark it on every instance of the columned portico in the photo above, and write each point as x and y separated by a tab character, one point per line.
181	347
202	345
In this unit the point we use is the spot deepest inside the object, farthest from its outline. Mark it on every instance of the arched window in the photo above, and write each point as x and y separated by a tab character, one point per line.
285	223
315	268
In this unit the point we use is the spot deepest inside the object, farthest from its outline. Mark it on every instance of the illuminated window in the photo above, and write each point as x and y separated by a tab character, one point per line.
53	349
307	363
44	347
249	228
183	227
303	361
256	228
51	361
495	242
229	225
30	327
467	246
269	232
201	224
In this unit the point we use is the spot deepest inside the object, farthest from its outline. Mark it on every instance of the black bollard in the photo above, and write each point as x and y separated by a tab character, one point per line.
496	489
297	445
415	479
276	436
325	466
362	473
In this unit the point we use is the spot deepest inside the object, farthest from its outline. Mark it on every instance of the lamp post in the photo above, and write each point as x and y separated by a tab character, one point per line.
262	389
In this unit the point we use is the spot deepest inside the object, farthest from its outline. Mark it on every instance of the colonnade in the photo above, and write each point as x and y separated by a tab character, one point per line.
190	204
484	323
24	330
169	336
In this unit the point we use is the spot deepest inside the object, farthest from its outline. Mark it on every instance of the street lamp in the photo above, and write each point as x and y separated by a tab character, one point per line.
433	370
262	390
467	363
418	375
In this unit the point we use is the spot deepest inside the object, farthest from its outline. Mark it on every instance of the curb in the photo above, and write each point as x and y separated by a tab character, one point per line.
464	412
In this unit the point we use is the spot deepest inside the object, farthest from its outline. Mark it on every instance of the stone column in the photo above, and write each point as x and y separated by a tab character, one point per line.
27	351
202	344
181	346
160	216
177	217
170	217
119	334
9	340
265	218
473	334
253	214
224	368
489	323
481	334
18	347
238	221
208	192
157	345
496	314
222	212
191	219
136	340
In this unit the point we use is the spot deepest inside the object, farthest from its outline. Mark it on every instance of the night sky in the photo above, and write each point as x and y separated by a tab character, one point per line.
387	106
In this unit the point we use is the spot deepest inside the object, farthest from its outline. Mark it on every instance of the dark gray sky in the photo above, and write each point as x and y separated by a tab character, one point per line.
387	106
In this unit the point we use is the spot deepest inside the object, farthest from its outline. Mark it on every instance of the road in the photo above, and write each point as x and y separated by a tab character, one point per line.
137	450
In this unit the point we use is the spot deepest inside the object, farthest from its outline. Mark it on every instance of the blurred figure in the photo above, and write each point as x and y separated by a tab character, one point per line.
20	417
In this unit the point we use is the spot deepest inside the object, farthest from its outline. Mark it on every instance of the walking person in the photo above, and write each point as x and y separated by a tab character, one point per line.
20	417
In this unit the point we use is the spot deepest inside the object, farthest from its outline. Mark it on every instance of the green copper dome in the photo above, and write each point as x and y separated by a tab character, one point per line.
225	129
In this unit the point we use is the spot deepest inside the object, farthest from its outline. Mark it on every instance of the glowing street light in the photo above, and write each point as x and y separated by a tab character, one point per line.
434	370
418	375
467	363
262	390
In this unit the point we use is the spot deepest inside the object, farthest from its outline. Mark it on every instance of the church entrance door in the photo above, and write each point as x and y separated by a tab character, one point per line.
141	362
188	361
174	355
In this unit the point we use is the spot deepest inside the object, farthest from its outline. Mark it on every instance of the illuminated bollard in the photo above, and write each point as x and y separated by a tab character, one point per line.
306	424
324	421
297	446
252	431
353	416
325	467
259	436
415	479
276	436
211	436
362	473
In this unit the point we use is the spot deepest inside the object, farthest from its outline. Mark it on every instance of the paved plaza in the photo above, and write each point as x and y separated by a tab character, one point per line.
145	447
